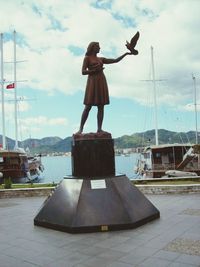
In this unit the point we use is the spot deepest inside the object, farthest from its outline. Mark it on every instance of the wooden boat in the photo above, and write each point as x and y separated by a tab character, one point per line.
170	160
19	167
15	164
173	160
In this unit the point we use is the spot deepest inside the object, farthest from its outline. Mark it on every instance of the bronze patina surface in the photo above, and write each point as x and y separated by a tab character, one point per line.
96	92
95	199
93	155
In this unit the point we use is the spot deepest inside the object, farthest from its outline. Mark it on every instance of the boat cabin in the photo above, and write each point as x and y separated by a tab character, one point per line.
12	164
156	160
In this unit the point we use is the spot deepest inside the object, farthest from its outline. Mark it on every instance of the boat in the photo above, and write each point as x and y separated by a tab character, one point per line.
19	167
170	160
15	164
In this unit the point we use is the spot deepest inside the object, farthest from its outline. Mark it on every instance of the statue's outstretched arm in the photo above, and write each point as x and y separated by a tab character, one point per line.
114	60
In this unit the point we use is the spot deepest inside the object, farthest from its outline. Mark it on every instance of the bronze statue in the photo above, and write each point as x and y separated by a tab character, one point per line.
132	44
96	93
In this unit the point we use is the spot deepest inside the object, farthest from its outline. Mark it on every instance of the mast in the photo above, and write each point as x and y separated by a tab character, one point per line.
195	106
155	101
15	87
2	97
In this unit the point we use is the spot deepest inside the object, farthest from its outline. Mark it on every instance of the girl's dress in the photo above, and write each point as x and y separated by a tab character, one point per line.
96	92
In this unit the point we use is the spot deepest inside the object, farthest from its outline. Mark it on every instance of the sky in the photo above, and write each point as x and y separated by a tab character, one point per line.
51	40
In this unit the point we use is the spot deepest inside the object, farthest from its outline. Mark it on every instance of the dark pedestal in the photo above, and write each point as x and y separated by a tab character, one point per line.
93	155
94	199
91	205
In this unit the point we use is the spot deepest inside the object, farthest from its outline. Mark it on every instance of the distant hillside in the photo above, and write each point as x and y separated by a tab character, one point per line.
148	138
57	144
35	145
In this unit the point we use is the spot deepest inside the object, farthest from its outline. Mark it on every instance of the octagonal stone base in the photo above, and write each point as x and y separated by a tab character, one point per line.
95	204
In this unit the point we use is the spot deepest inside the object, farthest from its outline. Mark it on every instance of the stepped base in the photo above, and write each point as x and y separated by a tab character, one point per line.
94	205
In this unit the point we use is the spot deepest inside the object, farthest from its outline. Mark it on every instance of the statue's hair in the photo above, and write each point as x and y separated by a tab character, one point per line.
90	48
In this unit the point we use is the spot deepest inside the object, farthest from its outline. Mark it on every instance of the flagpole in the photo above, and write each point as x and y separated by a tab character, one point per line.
2	97
155	100
15	88
195	106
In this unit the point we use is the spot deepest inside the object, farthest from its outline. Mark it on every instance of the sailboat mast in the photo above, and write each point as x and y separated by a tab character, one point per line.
2	97
15	86
195	106
155	101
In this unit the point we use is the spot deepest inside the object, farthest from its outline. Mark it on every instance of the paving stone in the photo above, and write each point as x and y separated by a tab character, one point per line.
166	255
120	264
195	212
111	254
186	246
93	250
180	264
152	262
131	258
97	262
189	259
29	246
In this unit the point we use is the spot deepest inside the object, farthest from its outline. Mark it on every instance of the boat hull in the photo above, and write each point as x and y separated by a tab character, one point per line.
19	168
162	173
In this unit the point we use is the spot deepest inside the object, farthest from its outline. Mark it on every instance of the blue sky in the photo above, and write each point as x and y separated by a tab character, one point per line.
52	36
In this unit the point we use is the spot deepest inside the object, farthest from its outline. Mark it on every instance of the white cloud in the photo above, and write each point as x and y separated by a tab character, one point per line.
42	120
36	125
191	107
171	27
9	107
173	31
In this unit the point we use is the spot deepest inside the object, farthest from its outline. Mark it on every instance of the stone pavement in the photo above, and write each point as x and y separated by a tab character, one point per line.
173	240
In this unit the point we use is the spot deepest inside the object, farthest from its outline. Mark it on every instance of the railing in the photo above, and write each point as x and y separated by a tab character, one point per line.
170	166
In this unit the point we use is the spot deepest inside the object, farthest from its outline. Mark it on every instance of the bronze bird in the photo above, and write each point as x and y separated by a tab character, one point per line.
132	44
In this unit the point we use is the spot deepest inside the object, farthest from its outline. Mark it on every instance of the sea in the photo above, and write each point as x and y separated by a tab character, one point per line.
57	167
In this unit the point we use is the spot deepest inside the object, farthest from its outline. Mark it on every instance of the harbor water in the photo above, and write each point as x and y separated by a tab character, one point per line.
56	167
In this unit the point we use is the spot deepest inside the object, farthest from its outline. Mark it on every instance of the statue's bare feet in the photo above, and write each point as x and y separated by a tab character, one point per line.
101	131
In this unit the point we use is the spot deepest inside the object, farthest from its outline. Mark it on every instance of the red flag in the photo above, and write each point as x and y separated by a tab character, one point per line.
10	86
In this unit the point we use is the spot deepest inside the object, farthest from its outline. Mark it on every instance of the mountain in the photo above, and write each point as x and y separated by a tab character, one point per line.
35	145
57	144
148	138
47	141
63	145
10	142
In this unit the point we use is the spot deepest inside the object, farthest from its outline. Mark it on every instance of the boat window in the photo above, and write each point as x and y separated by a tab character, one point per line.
14	161
158	155
165	159
171	157
146	155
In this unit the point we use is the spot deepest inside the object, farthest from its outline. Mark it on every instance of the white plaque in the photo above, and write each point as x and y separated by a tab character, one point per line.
98	184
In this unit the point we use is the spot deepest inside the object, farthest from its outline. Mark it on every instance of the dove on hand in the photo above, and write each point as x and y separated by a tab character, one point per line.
131	46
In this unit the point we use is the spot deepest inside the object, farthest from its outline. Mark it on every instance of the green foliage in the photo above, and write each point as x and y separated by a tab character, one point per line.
148	138
7	183
29	185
